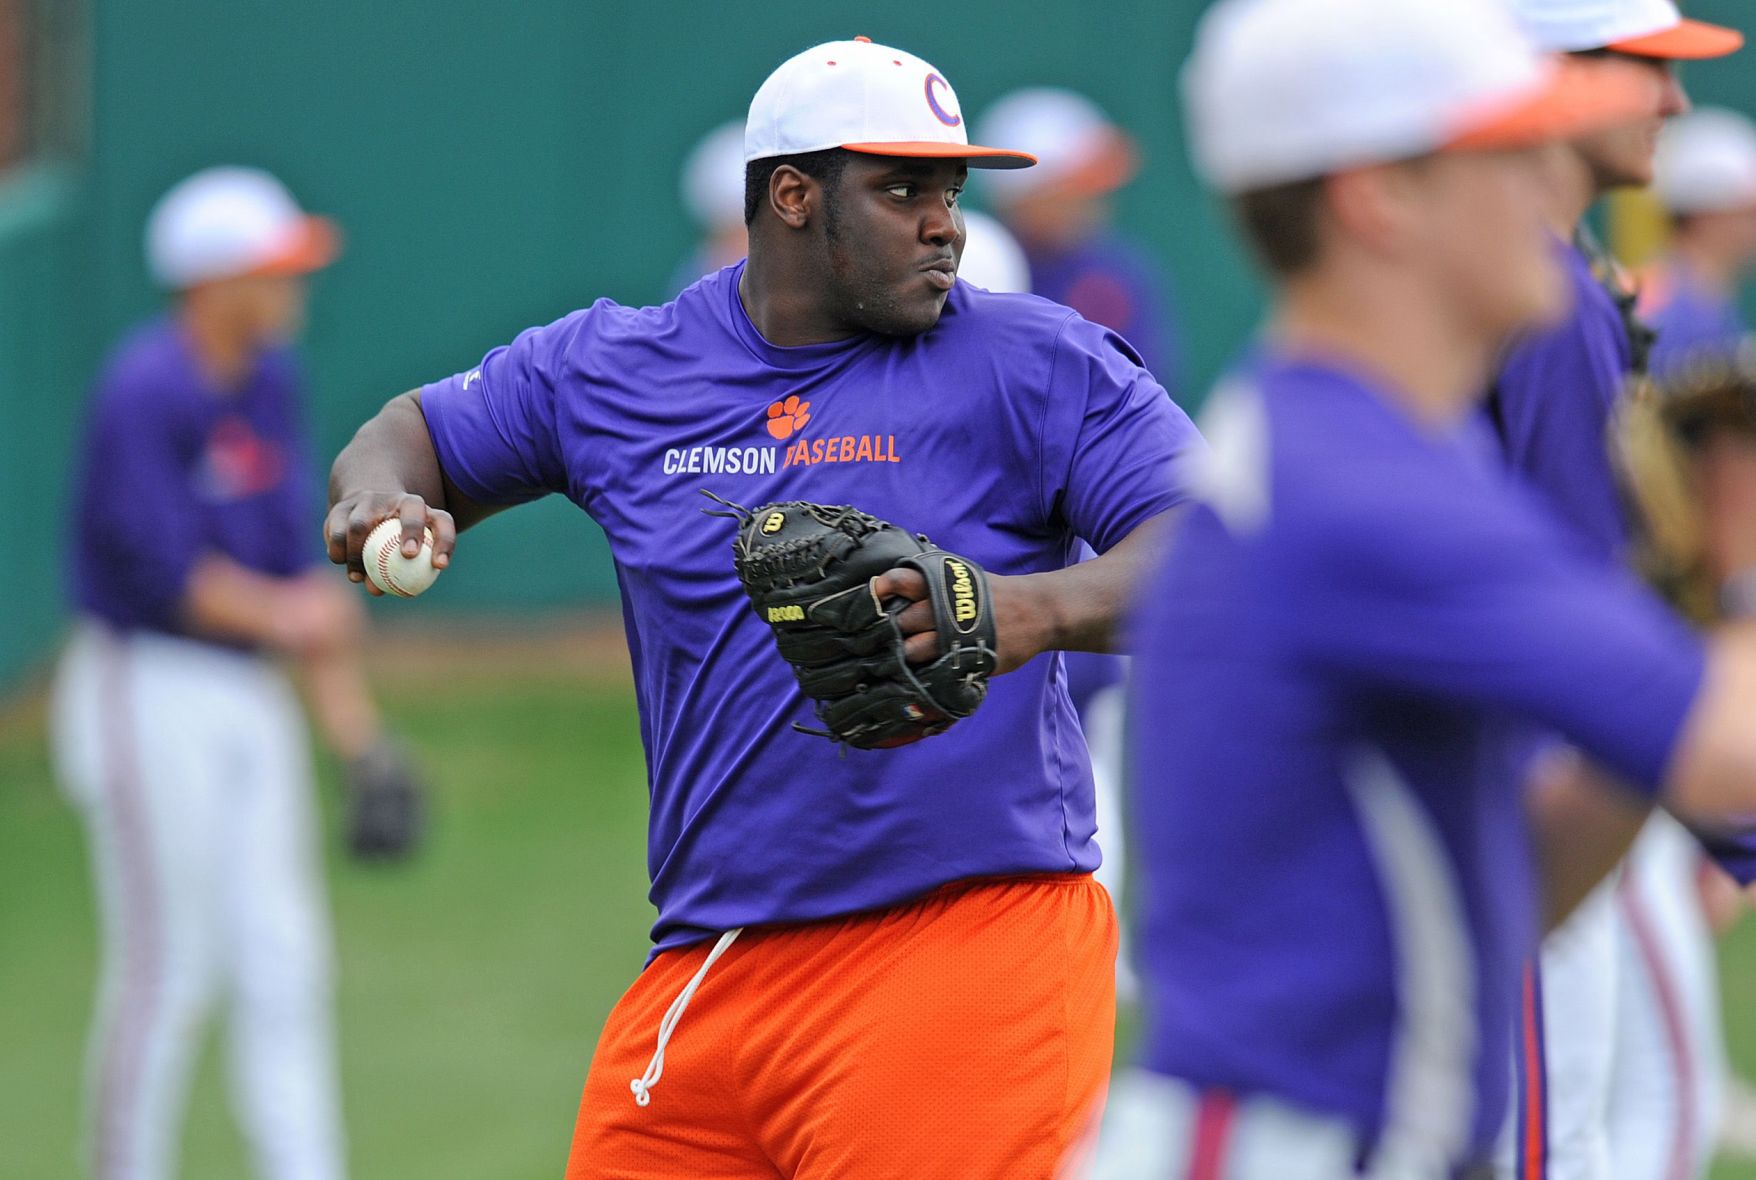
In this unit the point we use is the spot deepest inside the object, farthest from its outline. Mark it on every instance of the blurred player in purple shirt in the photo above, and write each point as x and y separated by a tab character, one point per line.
197	587
841	937
1552	405
1061	210
1361	610
1705	178
712	188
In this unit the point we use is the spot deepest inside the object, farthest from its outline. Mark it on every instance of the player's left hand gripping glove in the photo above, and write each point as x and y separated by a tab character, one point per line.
808	569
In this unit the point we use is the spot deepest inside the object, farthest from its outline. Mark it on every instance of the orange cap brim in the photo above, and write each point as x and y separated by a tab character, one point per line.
1112	164
1577	99
1692	40
978	157
313	245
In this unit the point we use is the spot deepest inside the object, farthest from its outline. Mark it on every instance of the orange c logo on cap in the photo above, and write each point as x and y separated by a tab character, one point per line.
939	112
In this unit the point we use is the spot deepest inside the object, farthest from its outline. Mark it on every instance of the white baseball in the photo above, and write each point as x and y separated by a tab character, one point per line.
389	570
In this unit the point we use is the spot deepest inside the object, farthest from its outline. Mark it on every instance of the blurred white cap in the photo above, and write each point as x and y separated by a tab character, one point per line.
227	222
713	177
1077	146
992	257
1647	28
1707	162
866	98
1285	90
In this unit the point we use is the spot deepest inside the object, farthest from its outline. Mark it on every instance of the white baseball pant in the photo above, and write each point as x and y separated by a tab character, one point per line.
1670	1055
1579	964
190	765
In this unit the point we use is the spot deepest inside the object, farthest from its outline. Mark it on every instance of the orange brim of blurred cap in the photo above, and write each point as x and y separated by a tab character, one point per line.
313	244
1577	99
926	149
1692	40
1112	163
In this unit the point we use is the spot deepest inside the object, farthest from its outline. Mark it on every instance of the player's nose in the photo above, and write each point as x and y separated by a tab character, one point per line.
1675	99
939	227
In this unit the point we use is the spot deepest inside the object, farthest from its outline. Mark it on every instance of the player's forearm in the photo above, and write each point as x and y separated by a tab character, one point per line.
391	453
1713	772
1583	823
223	600
1085	606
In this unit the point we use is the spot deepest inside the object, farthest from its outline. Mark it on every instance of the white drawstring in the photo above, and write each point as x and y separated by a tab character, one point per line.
655	1069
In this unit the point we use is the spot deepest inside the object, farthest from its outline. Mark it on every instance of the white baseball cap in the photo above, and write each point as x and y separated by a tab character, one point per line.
228	222
1706	162
1645	28
713	177
866	98
1286	90
992	257
1077	146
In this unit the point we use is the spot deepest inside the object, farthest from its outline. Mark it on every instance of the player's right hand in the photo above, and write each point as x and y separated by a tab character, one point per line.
353	518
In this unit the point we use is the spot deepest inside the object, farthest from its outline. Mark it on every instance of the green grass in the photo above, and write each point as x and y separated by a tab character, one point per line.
472	983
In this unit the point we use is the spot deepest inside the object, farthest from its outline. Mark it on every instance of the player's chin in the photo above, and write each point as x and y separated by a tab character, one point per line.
914	311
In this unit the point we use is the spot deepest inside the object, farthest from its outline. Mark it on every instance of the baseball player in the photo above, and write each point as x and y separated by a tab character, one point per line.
1361	609
1689	455
177	732
713	192
1061	213
1705	177
1550	408
1685	449
1669	1087
867	962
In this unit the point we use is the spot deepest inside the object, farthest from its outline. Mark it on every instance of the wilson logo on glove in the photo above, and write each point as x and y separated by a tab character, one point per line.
813	567
961	585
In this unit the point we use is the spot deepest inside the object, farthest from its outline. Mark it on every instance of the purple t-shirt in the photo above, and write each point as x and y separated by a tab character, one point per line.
1005	432
1694	324
1111	281
1552	406
1333	670
171	469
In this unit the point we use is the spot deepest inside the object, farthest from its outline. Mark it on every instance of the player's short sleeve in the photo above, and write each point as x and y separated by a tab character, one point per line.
1115	445
495	428
1404	589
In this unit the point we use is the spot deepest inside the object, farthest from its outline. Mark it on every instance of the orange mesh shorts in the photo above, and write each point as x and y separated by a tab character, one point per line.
965	1034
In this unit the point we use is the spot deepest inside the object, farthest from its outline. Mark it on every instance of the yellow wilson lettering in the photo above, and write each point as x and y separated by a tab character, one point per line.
786	614
963	592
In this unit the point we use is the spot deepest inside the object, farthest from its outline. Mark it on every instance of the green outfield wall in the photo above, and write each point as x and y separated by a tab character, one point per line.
495	165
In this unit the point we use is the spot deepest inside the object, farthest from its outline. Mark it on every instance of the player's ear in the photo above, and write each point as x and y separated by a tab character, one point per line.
793	196
1370	204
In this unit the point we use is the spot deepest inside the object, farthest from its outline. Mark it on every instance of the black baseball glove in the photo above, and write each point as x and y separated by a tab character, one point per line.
386	805
809	569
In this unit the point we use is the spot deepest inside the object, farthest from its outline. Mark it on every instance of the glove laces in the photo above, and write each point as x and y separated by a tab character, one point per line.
655	1068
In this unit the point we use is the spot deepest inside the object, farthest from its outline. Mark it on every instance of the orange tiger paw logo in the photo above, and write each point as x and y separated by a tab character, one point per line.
786	418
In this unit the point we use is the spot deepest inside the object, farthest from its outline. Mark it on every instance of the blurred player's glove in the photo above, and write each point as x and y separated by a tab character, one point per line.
386	811
1660	432
808	569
